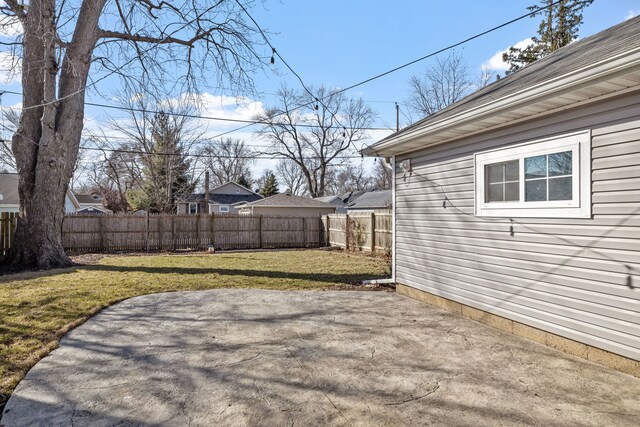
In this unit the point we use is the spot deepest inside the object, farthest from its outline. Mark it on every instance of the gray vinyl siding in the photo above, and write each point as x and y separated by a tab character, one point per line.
578	278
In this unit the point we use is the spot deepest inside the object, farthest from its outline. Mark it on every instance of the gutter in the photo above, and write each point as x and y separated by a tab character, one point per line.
620	64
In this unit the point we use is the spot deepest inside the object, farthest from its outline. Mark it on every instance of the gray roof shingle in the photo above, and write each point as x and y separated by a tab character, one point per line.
290	200
372	200
222	199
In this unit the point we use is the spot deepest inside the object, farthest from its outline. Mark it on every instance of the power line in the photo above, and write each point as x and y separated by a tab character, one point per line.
451	46
203	156
187	115
422	58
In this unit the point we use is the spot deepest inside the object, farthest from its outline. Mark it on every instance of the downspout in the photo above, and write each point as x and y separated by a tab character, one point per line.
390	281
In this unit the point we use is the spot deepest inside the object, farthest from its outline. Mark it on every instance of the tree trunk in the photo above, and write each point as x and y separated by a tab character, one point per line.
48	137
38	237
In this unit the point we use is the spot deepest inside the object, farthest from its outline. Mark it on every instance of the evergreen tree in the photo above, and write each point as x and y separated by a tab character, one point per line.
166	169
269	184
244	181
558	28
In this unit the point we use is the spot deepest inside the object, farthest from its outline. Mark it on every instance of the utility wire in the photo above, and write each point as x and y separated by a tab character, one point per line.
197	156
186	115
407	64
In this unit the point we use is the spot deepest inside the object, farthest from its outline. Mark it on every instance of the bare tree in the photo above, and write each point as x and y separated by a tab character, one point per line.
349	177
315	131
228	159
9	125
170	42
381	179
291	177
147	168
114	176
442	84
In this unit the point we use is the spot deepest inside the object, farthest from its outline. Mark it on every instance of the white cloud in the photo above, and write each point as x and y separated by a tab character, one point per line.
632	14
497	64
10	67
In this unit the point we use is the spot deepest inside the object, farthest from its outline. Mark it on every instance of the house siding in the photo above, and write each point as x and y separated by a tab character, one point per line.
577	278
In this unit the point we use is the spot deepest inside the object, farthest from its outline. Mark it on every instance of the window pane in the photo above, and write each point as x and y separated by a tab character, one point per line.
535	191
512	192
535	167
495	193
512	171
560	164
560	188
495	173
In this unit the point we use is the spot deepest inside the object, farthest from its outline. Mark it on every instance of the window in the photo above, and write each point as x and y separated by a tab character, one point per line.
545	178
223	209
502	182
193	208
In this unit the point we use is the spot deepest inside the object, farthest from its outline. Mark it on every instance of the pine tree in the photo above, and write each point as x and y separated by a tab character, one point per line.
270	184
558	28
165	171
244	181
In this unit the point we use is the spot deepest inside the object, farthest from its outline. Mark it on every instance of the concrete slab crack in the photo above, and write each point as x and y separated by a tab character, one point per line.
413	399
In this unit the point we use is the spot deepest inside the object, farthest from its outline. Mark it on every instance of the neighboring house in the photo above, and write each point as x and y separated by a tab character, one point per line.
371	201
9	199
224	199
340	201
91	204
287	205
519	205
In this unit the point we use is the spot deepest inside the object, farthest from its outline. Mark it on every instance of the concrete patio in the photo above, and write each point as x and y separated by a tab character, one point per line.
248	357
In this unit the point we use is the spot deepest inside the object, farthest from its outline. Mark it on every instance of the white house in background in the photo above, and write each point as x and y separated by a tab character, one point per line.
10	202
91	204
224	199
519	206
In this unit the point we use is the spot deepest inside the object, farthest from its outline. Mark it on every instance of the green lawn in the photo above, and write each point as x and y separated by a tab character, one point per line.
36	309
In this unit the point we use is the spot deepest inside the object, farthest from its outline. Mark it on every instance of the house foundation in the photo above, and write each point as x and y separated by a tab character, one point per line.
575	348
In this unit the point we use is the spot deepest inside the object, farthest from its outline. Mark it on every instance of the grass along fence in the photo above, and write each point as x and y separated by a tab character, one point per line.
363	232
95	233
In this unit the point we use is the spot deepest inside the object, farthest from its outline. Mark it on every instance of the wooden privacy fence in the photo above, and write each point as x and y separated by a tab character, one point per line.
364	232
7	228
120	232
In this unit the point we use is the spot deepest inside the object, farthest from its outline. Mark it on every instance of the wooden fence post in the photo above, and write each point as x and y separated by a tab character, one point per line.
101	231
212	238
320	235
373	232
173	232
146	233
198	217
304	232
346	232
260	231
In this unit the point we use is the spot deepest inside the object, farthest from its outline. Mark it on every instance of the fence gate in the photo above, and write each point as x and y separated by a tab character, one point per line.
8	221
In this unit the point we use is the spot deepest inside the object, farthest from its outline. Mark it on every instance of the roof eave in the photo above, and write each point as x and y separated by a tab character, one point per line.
440	131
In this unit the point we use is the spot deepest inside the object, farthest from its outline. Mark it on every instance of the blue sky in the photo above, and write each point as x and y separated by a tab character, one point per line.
337	43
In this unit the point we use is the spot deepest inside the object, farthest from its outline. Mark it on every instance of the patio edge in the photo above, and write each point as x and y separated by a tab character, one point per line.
557	342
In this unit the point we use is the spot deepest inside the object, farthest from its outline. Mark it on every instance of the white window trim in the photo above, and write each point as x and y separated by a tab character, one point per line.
189	209
579	207
220	209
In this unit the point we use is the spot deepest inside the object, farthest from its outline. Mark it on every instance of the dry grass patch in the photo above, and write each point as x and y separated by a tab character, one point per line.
37	308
